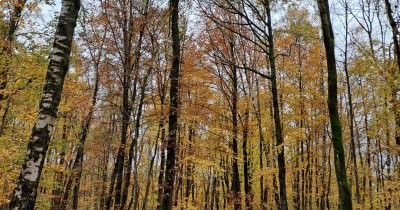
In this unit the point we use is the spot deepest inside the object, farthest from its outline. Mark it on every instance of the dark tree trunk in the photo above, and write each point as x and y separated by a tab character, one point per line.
213	192
351	112
14	22
340	165
150	173
141	103
246	162
59	176
275	103
126	112
160	181
189	167
126	109
106	156
74	179
368	149
111	189
262	147
173	108
296	181
24	195
134	143
235	166
323	203
395	32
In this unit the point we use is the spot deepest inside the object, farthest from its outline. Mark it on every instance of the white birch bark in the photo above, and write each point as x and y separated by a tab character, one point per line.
24	195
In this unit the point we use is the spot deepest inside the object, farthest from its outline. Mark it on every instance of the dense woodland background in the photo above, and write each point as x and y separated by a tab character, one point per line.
212	104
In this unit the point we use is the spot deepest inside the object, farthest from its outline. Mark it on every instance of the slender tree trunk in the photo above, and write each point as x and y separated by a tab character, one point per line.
296	181
150	174
323	195
368	151
173	108
111	189
262	147
179	167
59	176
351	111
162	157
106	156
108	199
395	32
276	113
246	162
340	165
141	103
14	23
310	173
213	192
134	143
24	195
77	167
7	51
189	167
126	110
235	166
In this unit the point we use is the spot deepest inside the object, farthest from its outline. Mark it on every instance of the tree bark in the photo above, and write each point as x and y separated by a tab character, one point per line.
246	162
59	176
138	117
126	112
351	111
160	180
262	148
235	166
189	166
173	108
77	166
24	195
339	159
126	57
134	143
276	113
395	32
150	173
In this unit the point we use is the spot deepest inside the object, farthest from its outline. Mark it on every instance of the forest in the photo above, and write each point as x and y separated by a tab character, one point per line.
199	104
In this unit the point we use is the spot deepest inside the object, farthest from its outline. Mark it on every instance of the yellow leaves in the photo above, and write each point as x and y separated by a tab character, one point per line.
30	116
266	172
59	169
11	154
295	136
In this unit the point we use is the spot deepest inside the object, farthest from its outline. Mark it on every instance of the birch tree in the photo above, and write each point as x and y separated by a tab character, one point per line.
24	195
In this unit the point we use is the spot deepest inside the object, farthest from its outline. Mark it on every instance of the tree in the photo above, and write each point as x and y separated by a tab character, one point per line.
122	24
24	195
340	166
173	108
396	46
350	102
77	167
7	52
257	17
249	123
